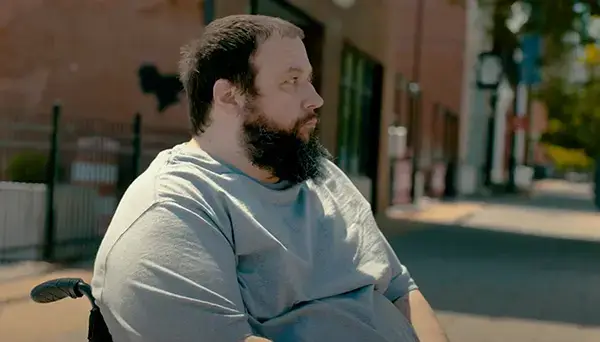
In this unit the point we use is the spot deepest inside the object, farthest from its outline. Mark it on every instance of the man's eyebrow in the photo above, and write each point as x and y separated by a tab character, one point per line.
301	71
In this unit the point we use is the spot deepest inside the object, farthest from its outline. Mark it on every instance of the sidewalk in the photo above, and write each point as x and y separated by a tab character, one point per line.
556	223
440	212
554	209
400	220
63	321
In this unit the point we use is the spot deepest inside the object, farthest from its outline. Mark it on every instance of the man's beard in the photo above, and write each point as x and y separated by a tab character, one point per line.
283	152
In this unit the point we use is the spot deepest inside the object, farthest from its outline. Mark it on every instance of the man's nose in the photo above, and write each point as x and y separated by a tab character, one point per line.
314	101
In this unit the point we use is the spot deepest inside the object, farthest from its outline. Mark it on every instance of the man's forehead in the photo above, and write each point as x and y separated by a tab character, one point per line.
283	55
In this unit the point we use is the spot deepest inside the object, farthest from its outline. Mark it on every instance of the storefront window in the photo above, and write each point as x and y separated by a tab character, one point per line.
355	108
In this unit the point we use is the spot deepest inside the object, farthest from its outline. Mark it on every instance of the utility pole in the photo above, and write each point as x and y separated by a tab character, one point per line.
491	135
416	107
512	160
526	60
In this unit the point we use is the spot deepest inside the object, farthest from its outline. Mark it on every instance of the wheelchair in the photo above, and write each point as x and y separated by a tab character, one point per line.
57	289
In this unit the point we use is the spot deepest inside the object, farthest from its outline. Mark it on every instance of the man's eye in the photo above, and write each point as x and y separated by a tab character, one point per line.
293	80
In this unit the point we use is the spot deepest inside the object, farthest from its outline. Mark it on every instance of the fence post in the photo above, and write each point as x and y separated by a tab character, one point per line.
137	144
52	178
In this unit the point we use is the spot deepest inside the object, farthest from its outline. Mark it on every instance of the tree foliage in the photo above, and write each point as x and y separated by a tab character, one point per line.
574	115
574	123
566	159
552	20
573	109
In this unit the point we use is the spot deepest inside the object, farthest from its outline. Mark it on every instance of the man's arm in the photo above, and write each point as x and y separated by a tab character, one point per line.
419	313
404	293
172	277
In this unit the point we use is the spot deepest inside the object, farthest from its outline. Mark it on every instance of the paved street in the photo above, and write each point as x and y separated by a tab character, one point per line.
514	269
495	286
508	269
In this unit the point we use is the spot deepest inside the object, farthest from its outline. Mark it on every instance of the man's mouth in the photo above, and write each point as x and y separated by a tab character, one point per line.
311	123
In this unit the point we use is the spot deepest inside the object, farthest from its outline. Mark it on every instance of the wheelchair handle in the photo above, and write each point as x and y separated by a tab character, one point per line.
57	289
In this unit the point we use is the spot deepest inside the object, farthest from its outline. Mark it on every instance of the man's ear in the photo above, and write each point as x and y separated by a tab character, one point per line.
226	94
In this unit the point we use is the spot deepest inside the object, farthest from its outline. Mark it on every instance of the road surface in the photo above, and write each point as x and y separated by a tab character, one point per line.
516	269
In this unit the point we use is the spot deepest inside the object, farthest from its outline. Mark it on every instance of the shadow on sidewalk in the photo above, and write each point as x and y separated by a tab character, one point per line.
570	196
549	201
503	274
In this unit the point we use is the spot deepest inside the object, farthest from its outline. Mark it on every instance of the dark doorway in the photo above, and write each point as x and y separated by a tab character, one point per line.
359	116
374	131
451	144
313	30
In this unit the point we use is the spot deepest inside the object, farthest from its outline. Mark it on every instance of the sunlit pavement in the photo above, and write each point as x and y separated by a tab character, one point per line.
510	270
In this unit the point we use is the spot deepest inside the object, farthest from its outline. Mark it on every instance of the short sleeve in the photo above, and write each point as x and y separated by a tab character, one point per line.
402	282
171	277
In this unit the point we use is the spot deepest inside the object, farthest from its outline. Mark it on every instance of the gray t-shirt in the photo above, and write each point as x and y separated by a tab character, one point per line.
198	251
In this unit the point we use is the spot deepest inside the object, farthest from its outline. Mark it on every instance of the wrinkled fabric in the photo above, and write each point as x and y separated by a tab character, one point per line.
198	251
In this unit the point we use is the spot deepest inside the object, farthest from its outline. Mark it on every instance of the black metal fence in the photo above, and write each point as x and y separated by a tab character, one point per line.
61	179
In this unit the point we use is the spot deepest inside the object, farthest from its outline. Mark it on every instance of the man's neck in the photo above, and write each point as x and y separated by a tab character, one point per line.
232	154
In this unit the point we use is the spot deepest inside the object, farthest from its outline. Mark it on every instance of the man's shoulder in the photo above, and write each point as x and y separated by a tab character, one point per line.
181	177
336	180
334	173
168	179
172	191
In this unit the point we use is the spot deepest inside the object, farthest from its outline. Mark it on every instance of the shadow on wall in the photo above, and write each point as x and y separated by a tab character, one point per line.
166	88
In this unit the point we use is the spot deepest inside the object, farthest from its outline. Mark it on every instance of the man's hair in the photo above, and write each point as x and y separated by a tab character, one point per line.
225	51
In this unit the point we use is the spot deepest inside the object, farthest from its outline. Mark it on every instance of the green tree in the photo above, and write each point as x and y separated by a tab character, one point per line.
584	117
573	110
574	115
551	19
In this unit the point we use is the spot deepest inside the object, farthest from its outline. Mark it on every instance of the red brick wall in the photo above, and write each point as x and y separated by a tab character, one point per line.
87	53
441	63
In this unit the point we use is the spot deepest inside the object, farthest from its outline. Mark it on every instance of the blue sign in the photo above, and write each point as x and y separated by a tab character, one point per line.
531	46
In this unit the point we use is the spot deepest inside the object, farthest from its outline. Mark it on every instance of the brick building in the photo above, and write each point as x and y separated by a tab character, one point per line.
431	54
88	54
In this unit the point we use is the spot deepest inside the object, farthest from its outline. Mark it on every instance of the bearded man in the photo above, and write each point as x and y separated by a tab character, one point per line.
248	232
